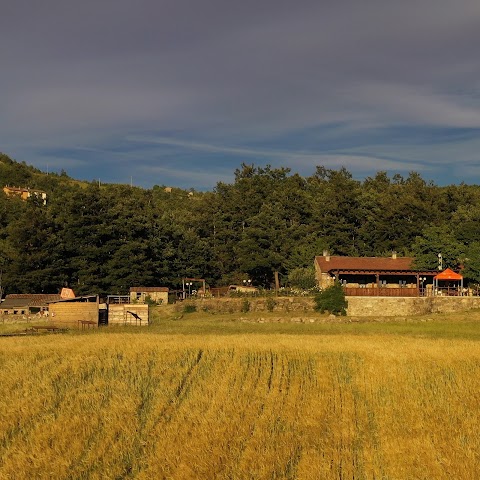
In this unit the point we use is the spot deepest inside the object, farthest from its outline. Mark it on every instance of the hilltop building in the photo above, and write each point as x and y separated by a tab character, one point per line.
25	193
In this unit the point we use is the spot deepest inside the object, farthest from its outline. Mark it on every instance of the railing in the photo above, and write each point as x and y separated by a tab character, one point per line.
118	299
454	292
382	292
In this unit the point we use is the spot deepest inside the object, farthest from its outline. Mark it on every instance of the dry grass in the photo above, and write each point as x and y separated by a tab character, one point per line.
239	406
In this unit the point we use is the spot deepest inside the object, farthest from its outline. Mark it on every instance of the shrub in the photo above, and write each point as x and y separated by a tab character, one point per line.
270	302
331	299
189	308
245	306
150	301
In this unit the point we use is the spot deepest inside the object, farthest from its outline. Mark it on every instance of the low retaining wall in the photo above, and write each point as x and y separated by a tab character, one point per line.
357	306
255	304
394	306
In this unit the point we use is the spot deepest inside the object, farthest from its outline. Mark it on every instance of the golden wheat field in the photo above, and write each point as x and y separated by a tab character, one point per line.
242	406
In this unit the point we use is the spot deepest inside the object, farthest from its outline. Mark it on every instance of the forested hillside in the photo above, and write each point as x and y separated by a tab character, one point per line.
105	238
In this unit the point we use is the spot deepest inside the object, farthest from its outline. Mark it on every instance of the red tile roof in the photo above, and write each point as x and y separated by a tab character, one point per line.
364	263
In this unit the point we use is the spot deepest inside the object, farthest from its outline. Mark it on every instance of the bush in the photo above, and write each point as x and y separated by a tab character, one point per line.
189	308
270	304
149	301
245	306
332	300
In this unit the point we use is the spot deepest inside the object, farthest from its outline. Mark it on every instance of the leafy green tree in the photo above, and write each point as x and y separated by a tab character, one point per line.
258	251
30	243
437	240
471	263
304	250
259	218
303	278
336	210
395	212
465	221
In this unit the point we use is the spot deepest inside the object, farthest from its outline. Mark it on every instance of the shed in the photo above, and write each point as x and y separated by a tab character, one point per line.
141	294
128	314
71	312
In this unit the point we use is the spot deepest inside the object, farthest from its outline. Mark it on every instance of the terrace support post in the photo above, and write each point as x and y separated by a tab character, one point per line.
377	278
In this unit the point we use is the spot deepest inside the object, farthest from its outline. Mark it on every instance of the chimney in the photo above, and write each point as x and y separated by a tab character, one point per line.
394	255
326	255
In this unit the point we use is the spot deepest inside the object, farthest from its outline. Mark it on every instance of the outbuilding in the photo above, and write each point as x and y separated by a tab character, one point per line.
89	312
71	312
142	294
27	303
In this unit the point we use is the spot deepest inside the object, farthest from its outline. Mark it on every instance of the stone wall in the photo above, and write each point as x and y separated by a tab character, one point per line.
395	306
255	304
454	304
357	306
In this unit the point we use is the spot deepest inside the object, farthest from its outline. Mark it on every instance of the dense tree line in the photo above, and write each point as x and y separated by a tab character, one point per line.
106	238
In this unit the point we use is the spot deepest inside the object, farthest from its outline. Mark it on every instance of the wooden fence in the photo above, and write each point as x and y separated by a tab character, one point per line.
382	292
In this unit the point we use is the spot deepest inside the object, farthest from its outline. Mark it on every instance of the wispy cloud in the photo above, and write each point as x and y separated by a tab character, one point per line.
188	178
289	157
419	105
198	146
97	84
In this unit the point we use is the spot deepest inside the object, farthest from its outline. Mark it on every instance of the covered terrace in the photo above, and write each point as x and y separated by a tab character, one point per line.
448	283
374	276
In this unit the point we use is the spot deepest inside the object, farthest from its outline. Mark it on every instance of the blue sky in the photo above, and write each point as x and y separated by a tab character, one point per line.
181	92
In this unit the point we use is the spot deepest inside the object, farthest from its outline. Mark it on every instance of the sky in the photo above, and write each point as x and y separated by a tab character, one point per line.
182	92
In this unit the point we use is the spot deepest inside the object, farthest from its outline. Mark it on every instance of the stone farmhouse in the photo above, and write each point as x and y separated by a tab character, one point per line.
374	276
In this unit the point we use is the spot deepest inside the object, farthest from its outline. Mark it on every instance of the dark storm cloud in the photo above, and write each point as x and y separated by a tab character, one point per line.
246	79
